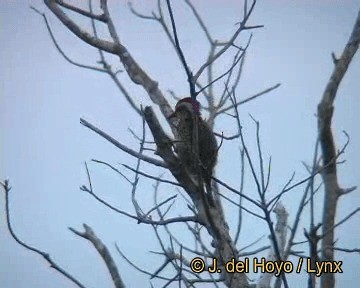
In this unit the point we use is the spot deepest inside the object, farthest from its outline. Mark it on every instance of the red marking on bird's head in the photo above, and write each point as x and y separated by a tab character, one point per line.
195	104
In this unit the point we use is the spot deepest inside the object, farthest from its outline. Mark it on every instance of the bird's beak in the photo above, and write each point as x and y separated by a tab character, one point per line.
172	115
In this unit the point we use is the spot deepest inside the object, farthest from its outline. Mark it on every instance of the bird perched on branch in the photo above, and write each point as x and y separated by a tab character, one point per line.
187	112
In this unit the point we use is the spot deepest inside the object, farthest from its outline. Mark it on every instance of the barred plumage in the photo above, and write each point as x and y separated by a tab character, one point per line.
186	112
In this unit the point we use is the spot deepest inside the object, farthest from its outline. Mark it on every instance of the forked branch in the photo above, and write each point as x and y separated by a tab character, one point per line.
327	143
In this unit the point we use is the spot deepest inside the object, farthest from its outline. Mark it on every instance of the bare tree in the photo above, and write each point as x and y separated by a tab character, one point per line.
206	221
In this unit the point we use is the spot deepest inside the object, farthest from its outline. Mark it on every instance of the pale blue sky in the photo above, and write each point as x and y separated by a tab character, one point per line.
43	146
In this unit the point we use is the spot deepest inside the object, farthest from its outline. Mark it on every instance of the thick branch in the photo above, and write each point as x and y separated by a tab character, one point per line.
164	150
136	74
326	138
215	222
83	35
81	11
90	235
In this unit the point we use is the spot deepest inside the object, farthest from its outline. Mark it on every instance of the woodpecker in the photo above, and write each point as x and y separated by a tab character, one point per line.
187	111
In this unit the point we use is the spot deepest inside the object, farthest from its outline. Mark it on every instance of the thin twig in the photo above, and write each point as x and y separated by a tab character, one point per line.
6	186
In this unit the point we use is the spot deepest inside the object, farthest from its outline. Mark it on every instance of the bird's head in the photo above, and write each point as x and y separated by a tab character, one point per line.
187	104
